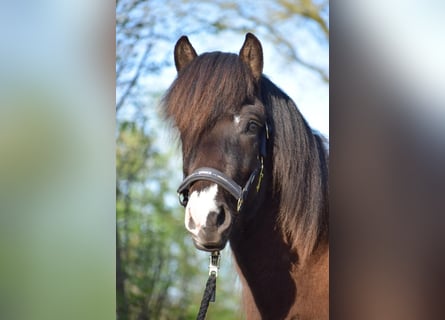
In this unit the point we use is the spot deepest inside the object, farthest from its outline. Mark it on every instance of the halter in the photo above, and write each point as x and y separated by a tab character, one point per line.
227	183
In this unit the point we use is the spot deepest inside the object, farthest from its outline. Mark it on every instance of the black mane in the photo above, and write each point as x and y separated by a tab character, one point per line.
300	171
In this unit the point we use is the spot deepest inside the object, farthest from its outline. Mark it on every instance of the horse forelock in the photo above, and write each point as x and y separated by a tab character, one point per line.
213	85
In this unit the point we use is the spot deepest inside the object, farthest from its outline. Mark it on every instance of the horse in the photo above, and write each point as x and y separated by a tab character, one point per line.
256	176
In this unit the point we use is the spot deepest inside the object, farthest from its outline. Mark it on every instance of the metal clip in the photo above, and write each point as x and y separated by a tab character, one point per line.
239	204
215	259
260	177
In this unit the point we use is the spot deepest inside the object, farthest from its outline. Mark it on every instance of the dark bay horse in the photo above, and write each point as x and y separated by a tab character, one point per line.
256	176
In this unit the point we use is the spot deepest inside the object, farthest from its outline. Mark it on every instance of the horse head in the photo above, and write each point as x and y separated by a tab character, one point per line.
224	132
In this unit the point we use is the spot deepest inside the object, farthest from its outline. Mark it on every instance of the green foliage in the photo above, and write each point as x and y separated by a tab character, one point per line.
150	240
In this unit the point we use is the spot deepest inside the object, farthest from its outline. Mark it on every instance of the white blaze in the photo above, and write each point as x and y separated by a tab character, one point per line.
200	204
237	119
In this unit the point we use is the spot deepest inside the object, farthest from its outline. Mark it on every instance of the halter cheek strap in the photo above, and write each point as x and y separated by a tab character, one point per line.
216	176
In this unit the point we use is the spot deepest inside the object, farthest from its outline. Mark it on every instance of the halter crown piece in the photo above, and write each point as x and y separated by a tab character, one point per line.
227	183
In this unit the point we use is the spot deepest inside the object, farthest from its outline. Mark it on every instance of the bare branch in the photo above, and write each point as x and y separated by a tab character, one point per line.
135	78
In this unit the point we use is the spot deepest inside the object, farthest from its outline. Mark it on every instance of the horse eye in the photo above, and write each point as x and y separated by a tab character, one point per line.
252	127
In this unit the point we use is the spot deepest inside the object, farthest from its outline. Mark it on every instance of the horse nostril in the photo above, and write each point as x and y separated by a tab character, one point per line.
221	217
216	218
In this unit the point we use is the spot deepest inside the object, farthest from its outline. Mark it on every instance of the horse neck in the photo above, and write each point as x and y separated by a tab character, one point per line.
271	272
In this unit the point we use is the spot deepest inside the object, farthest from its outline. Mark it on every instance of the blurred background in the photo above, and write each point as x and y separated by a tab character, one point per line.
160	274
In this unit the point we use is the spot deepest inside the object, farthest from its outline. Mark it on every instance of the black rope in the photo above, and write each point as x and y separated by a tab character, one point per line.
209	295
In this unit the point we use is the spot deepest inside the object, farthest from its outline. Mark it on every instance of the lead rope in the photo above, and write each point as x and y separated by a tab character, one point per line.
209	292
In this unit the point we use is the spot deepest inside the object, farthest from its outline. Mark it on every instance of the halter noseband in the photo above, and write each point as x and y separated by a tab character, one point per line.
227	183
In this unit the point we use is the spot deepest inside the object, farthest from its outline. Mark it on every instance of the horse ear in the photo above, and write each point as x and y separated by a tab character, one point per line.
184	53
252	54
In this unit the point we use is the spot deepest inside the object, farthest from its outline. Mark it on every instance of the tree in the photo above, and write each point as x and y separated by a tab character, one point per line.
272	20
150	242
144	28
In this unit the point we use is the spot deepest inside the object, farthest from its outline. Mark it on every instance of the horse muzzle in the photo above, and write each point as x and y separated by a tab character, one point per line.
207	219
